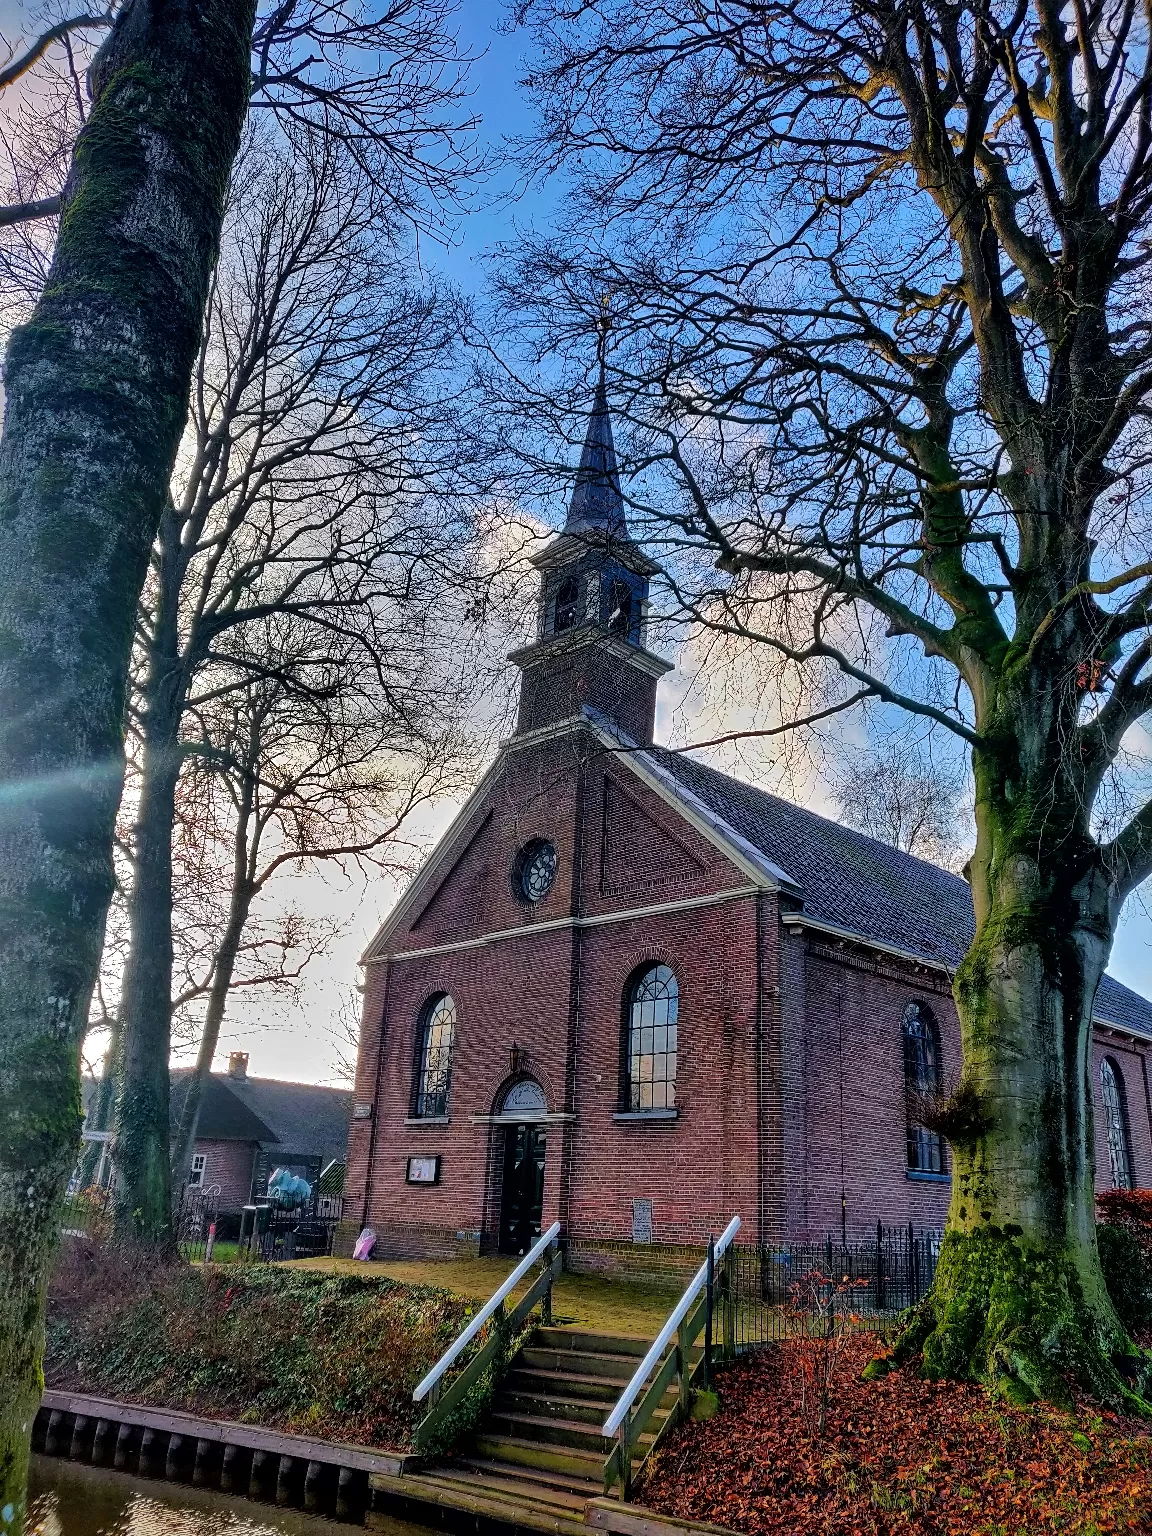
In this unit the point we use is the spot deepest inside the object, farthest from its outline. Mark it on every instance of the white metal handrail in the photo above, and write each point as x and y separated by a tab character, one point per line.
454	1351
614	1420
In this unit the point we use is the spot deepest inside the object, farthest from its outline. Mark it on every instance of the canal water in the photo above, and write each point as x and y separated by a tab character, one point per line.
71	1499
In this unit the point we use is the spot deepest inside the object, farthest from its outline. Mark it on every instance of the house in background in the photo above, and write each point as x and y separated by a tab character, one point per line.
251	1125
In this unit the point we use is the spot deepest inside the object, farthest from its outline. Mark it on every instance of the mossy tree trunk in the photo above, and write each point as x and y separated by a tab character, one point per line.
1019	1299
141	1153
95	399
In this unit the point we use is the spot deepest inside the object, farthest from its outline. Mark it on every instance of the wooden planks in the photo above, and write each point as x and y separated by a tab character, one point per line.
251	1437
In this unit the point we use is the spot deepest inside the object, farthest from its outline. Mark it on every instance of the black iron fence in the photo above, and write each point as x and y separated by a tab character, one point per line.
873	1278
271	1232
197	1225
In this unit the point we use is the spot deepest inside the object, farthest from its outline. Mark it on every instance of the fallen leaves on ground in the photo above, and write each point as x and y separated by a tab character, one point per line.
901	1457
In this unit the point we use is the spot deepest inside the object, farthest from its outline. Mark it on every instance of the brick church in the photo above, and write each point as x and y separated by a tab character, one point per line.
638	996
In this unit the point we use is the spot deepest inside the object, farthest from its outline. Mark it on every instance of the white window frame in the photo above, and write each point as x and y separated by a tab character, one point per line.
196	1177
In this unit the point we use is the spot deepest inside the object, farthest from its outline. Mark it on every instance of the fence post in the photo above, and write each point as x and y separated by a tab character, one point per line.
913	1266
728	1287
879	1266
626	1458
684	1367
546	1302
709	1295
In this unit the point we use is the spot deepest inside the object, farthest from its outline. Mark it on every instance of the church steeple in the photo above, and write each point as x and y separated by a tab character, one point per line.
597	502
590	648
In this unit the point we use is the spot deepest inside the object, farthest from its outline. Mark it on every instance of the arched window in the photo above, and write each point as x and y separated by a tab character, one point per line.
567	605
921	1081
434	1063
525	1097
652	1004
1116	1123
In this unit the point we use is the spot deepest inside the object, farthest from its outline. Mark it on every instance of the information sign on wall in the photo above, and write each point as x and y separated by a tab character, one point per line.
424	1170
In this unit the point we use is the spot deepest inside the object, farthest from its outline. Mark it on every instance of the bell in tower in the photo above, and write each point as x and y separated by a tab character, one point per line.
590	647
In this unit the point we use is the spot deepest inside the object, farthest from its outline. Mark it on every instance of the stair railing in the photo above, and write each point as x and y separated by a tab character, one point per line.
545	1250
688	1318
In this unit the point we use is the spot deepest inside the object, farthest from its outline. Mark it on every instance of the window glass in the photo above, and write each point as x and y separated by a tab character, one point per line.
653	1004
196	1177
434	1066
921	1081
1116	1124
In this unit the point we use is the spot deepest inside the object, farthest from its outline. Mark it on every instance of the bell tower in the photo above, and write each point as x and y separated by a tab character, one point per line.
592	619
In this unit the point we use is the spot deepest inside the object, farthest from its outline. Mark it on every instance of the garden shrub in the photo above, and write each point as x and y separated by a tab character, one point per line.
328	1355
1124	1237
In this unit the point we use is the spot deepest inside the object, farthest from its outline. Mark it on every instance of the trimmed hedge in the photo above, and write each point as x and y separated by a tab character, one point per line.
1124	1237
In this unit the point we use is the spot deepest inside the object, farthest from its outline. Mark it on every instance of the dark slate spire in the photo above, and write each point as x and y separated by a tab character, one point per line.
597	503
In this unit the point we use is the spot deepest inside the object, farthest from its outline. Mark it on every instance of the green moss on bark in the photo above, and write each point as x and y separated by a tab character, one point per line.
1014	1316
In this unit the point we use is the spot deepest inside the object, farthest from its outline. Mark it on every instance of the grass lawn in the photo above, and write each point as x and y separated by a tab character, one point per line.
585	1301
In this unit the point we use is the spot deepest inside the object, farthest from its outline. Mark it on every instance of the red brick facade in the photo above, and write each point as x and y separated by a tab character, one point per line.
228	1168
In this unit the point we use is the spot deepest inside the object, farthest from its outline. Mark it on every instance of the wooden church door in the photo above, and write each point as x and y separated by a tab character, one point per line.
522	1200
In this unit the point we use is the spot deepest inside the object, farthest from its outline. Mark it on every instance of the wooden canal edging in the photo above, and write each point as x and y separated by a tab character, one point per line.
321	1476
351	1482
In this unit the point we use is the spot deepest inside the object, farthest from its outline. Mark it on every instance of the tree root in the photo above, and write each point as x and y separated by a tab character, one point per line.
1015	1317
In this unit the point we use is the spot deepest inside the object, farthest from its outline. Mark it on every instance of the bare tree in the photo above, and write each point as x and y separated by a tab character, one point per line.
306	492
893	794
318	763
879	273
95	390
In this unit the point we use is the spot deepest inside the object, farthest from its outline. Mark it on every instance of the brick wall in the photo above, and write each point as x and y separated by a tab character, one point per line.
554	989
229	1164
1131	1064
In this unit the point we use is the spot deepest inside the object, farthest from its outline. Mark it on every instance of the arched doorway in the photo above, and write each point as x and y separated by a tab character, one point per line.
522	1188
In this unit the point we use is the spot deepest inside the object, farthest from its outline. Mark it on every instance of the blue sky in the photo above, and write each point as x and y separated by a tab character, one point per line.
299	1043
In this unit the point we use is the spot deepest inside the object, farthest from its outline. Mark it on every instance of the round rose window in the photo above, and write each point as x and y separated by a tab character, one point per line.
535	872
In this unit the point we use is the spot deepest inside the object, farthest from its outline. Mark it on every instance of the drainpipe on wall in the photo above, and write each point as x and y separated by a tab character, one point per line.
380	1038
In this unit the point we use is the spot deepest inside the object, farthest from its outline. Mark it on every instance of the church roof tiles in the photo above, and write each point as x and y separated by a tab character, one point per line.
860	886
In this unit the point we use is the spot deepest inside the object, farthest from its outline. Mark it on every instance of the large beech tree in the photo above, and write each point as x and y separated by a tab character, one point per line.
96	390
880	278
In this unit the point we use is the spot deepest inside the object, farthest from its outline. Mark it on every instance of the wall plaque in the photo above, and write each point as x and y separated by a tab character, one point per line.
641	1221
424	1170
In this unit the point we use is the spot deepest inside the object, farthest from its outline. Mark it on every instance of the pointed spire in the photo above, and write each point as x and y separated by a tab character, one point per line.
597	502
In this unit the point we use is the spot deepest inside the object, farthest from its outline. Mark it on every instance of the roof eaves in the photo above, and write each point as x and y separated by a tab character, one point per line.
712	826
424	877
802	920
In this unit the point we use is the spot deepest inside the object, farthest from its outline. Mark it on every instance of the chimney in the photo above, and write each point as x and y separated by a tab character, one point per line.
238	1064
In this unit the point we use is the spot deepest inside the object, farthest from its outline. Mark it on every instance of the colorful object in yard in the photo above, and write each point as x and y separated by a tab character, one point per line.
287	1190
365	1243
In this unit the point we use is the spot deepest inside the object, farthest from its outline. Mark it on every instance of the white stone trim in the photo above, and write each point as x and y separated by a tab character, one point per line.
554	925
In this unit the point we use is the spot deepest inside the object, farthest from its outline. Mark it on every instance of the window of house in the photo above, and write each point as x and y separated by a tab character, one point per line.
921	1082
1116	1123
196	1177
567	605
434	1063
652	1006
